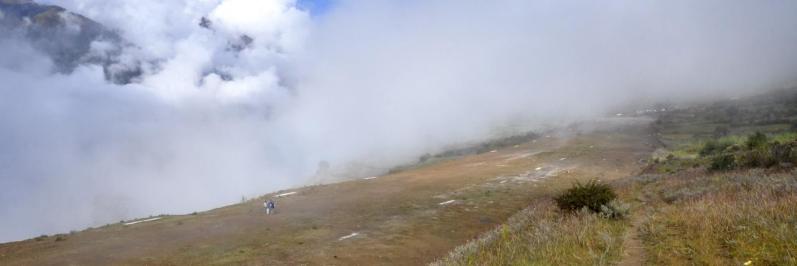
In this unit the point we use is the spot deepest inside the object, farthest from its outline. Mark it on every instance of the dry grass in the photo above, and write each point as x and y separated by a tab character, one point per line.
696	218
692	218
542	235
726	219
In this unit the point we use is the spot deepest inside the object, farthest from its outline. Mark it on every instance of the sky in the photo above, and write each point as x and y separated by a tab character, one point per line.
316	7
362	85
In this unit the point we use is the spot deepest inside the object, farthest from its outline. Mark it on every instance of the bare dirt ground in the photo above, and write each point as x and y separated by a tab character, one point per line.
634	250
398	219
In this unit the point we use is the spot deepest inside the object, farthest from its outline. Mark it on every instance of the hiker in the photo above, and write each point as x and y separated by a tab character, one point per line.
269	206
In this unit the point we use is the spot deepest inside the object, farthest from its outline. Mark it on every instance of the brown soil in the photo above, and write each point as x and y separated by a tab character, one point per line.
634	251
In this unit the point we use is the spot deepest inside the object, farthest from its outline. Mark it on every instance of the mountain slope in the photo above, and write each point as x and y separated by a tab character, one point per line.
410	217
68	39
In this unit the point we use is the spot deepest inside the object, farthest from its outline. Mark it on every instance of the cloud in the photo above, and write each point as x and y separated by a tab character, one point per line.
80	152
277	21
195	126
253	100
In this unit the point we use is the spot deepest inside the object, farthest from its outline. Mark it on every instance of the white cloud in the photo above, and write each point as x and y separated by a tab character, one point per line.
276	22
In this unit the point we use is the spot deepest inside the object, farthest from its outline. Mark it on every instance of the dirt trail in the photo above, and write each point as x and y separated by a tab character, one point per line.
634	250
396	219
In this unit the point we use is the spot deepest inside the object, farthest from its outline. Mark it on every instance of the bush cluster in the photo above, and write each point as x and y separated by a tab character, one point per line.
593	195
714	147
723	162
756	141
758	152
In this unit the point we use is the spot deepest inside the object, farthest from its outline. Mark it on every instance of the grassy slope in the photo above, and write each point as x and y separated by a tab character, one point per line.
398	216
700	217
541	235
719	219
684	214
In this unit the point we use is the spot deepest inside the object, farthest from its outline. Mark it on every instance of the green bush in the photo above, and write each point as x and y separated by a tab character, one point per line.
723	162
591	195
768	155
783	153
733	148
713	147
756	158
756	140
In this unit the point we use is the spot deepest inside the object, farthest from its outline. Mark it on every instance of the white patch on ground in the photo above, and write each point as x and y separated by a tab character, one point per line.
143	221
502	182
562	159
538	174
493	151
348	236
369	178
518	156
447	202
286	194
476	164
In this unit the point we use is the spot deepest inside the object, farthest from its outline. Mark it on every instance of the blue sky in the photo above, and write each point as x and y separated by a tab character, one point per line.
316	7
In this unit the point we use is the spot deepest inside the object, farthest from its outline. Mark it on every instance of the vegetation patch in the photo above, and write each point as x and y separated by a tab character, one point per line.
757	150
543	235
722	219
723	162
591	195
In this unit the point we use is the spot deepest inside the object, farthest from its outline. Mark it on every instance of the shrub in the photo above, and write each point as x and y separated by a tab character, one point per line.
783	153
591	195
615	209
713	147
723	162
732	148
756	158
757	140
